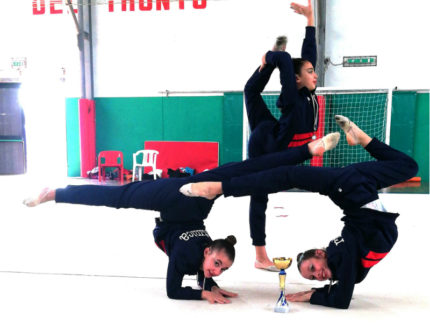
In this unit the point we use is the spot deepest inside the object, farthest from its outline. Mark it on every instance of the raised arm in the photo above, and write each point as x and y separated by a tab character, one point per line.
309	46
306	11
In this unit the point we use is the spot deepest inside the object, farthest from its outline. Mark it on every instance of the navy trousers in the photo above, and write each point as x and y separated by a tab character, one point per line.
348	187
263	127
268	135
163	195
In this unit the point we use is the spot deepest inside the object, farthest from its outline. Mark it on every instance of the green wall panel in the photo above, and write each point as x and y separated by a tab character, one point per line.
126	123
421	142
410	127
233	127
192	118
402	121
73	138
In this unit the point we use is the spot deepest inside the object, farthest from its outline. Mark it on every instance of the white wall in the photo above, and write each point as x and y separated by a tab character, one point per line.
140	53
394	30
48	42
217	48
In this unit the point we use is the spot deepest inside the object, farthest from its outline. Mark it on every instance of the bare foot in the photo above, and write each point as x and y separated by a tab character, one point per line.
320	146
44	196
208	190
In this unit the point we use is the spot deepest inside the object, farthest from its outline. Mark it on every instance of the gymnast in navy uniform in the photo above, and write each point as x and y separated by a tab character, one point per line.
369	232
298	121
180	230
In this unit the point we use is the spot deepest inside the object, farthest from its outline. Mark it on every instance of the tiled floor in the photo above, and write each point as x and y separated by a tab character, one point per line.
68	263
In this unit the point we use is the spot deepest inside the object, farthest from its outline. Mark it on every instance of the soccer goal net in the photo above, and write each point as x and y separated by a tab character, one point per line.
367	108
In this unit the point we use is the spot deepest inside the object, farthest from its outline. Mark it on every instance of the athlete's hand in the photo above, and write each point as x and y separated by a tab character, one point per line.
217	295
223	292
301	296
306	11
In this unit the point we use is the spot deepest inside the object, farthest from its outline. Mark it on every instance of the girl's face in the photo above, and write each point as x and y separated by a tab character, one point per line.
315	268
307	78
215	263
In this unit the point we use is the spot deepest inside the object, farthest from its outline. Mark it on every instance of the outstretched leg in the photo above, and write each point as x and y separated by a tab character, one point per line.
161	195
350	186
392	167
201	185
140	195
256	108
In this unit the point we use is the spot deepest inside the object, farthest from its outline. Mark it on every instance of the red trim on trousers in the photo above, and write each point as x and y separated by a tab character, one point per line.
160	244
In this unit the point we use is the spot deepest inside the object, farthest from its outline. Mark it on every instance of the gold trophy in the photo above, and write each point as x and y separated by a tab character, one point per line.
282	263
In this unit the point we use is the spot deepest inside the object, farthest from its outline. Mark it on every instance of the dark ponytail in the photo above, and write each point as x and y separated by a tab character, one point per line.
226	245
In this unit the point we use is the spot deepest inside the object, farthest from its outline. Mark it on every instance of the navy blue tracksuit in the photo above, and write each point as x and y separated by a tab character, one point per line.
368	234
180	231
296	126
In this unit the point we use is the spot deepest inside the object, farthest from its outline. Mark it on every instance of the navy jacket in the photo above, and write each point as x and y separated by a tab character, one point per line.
184	245
366	239
299	118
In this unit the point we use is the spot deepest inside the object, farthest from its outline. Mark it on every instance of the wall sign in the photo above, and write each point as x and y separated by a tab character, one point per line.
54	7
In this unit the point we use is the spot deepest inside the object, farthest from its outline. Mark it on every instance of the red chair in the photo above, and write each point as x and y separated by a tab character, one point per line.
111	158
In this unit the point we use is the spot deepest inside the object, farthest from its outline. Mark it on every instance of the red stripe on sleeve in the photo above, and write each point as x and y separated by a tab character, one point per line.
376	255
368	263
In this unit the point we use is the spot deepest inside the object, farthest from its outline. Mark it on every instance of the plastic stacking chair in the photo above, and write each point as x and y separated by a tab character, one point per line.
148	159
111	158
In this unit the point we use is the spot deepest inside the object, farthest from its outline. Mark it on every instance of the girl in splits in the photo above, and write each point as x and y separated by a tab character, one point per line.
369	232
180	231
297	124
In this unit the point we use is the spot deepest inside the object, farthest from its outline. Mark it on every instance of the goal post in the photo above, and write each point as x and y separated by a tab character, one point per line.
369	109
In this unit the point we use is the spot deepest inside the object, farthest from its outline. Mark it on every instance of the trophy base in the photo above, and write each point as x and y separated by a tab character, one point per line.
282	309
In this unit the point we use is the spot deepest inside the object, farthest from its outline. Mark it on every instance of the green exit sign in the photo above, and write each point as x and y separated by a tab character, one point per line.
18	63
356	61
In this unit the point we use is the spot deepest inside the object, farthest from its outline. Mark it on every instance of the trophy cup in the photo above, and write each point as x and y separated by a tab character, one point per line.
282	263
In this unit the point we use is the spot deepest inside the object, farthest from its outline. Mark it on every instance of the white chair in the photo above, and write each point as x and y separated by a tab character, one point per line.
148	159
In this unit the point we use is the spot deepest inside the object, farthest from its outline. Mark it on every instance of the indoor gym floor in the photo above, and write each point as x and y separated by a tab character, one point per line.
69	263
